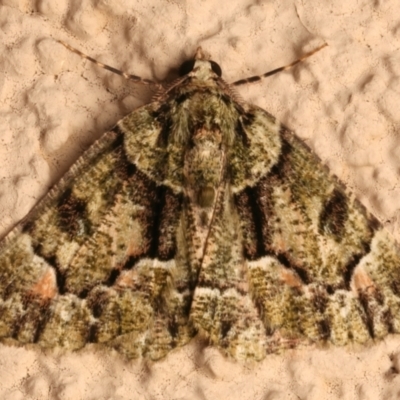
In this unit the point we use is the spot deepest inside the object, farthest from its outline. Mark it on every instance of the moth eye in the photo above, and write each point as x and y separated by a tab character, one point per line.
186	67
216	68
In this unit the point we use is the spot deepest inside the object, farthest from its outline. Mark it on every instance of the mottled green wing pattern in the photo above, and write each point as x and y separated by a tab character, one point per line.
95	261
198	214
320	267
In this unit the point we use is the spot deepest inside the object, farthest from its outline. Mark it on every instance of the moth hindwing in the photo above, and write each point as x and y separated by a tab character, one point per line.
198	214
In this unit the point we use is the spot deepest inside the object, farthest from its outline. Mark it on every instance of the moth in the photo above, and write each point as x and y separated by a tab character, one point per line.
198	215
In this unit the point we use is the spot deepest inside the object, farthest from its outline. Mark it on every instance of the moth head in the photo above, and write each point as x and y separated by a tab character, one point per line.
200	64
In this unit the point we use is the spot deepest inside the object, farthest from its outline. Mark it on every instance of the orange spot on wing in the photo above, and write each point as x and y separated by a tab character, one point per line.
362	282
291	279
46	287
127	279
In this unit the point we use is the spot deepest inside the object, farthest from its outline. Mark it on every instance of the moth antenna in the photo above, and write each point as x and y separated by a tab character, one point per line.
130	77
275	71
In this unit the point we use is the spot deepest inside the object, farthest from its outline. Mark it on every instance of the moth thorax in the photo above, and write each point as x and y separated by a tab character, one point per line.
204	164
